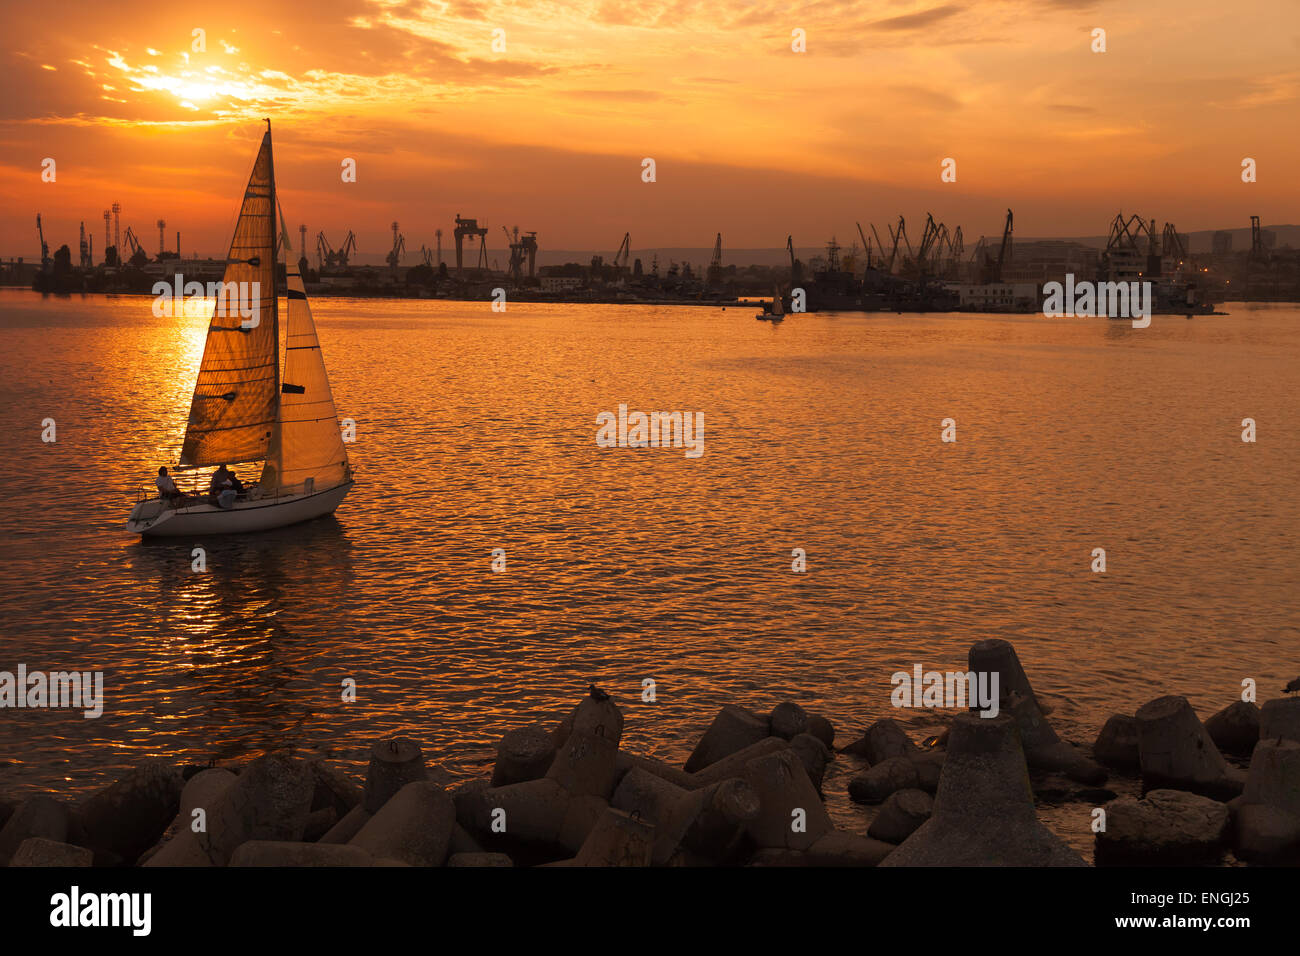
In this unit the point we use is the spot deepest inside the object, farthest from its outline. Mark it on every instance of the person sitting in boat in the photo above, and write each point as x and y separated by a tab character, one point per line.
220	480
166	486
236	484
219	485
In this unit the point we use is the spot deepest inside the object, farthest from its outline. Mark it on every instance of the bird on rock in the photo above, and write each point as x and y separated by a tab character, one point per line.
596	692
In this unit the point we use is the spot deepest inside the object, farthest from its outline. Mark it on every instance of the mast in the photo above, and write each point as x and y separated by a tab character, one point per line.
275	258
273	446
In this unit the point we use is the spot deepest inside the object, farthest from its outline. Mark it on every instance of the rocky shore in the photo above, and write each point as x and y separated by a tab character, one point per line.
564	793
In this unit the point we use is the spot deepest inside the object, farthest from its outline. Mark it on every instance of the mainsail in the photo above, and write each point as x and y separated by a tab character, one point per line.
310	446
236	399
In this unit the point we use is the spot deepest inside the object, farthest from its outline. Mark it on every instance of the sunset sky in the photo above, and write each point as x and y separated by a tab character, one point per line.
750	138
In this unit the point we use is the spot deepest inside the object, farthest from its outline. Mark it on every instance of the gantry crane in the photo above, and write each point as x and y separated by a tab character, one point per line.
471	228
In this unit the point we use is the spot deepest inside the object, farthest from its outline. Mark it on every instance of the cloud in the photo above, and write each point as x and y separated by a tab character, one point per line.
916	21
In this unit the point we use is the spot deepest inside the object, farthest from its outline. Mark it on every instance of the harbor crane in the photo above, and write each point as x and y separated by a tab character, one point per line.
620	257
879	245
796	272
927	253
713	276
398	250
990	270
1125	234
901	234
45	247
1171	243
470	228
529	243
956	249
330	258
516	263
346	250
866	243
426	255
138	256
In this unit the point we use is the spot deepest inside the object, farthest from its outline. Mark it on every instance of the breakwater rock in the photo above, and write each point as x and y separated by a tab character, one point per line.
566	792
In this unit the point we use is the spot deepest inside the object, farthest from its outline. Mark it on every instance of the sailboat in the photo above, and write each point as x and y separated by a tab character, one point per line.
774	312
243	410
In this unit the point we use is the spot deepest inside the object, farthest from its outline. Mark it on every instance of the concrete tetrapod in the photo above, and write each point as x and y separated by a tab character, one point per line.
1178	754
270	800
180	842
617	839
787	720
414	826
1165	827
393	764
901	815
1280	717
37	816
691	826
38	851
984	813
123	820
525	753
587	763
1043	749
1117	744
1268	816
734	729
791	814
1235	729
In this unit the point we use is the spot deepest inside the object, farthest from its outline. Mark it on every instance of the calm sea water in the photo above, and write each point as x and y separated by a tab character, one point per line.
475	431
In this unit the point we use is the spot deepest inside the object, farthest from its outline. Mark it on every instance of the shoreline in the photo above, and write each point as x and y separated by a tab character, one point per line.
741	303
565	793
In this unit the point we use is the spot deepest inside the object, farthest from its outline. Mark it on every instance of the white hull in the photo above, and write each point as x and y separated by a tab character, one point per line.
152	518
